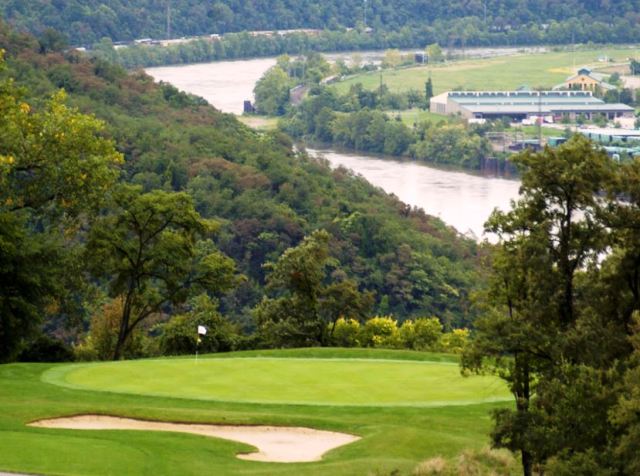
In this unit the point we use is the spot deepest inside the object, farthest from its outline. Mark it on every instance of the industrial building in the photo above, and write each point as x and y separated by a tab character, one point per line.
554	106
608	135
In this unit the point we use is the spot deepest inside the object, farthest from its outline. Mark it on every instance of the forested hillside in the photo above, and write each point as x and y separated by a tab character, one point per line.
471	22
263	196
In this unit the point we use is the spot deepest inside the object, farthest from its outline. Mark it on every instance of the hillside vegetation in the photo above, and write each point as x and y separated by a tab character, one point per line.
263	197
457	22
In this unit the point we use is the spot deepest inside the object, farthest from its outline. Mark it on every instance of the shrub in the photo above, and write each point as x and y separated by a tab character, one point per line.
428	332
407	334
380	332
46	349
485	462
455	341
100	342
180	336
345	333
431	467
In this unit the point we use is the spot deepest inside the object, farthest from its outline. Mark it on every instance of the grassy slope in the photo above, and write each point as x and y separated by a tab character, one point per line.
393	437
502	73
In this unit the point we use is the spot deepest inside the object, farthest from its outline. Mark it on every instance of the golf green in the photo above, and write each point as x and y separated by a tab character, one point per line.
342	382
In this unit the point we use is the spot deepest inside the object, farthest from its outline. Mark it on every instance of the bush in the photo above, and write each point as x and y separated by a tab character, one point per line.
380	332
100	342
180	336
345	333
455	341
485	462
46	349
407	334
428	332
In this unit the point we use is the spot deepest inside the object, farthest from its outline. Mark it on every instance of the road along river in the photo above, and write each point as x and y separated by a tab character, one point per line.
460	199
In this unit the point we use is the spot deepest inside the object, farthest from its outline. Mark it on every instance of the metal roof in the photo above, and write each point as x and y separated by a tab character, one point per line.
546	109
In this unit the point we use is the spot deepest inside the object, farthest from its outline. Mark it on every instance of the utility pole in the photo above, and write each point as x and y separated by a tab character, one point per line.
364	14
540	117
168	19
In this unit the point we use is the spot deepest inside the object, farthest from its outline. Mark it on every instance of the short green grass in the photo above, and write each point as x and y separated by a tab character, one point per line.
372	382
260	123
394	438
416	116
500	73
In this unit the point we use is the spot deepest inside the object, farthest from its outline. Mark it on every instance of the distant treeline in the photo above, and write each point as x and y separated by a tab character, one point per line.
340	25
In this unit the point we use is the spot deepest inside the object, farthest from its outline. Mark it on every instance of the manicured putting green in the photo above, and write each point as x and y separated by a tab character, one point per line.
289	381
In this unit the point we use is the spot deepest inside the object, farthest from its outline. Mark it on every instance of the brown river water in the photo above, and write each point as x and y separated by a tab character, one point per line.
463	200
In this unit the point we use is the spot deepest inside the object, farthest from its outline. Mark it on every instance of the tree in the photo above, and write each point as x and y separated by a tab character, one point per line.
434	53
52	41
272	92
392	58
146	246
533	332
179	334
54	167
428	92
305	306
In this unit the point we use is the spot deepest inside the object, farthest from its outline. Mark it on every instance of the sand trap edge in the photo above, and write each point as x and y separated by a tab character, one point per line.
276	444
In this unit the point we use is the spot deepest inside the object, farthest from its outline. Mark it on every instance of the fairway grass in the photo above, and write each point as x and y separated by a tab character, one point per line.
371	382
500	73
394	439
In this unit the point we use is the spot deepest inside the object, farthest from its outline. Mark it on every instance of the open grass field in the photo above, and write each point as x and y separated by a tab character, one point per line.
388	398
501	73
261	123
415	116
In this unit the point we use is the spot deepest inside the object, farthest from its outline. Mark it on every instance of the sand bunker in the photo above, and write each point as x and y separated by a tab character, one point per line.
275	444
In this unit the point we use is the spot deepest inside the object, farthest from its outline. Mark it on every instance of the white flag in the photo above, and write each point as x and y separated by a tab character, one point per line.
202	330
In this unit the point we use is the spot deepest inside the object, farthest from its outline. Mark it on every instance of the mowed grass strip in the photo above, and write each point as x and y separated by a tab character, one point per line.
288	381
502	73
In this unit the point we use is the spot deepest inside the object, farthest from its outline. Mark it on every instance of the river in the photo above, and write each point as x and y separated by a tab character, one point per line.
460	199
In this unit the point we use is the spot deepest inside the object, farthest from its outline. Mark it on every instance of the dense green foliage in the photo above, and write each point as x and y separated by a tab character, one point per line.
147	246
185	158
304	309
54	167
409	23
561	313
357	120
179	335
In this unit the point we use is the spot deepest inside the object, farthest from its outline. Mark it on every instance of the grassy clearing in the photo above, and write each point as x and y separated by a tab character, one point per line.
393	438
416	116
501	73
532	131
261	123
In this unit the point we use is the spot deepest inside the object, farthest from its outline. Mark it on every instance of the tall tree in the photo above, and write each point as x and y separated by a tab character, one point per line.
552	233
428	91
146	246
54	167
305	305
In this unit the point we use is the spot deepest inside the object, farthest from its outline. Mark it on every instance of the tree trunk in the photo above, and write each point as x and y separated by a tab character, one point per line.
527	463
124	330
